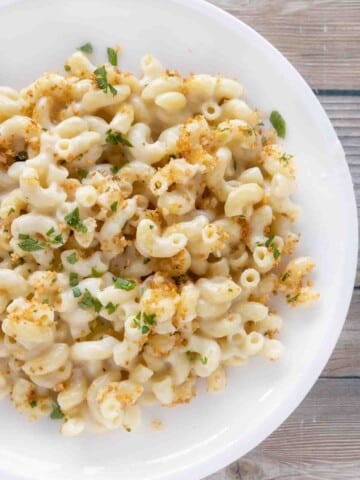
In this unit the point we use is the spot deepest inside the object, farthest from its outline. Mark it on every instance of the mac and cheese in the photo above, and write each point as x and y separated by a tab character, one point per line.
144	224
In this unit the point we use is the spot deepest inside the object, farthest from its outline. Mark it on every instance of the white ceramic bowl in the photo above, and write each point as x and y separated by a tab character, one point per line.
199	438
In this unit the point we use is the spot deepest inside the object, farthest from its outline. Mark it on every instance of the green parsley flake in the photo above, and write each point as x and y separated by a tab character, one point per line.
76	292
101	79
56	413
73	220
67	68
112	56
21	156
203	360
11	211
270	244
285	276
57	239
124	284
146	260
86	48
73	279
88	301
33	403
291	299
114	206
114	169
285	158
111	308
278	123
29	244
72	258
192	356
82	173
143	321
95	273
116	138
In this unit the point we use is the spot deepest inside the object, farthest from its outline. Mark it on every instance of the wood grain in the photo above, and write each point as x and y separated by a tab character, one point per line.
321	439
320	37
345	361
344	113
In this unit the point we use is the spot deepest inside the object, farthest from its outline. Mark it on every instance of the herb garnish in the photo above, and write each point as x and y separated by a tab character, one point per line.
56	413
102	81
88	301
144	321
72	258
124	284
73	220
29	244
278	123
111	308
95	273
73	279
270	244
86	48
112	56
116	138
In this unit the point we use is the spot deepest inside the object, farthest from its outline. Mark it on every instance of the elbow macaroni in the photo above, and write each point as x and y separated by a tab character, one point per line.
141	220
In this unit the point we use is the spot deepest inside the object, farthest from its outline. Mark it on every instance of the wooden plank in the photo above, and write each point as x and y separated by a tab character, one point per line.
344	113
345	361
321	440
321	38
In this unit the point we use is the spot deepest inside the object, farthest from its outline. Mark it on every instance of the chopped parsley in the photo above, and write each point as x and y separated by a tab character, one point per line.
270	244
67	68
144	321
203	360
124	284
278	122
111	308
102	81
76	292
86	48
73	220
11	211
72	258
55	239
29	244
192	356
73	279
56	413
285	157
88	301
95	273
285	276
82	173
116	138
33	403
21	261
146	260
21	156
114	169
112	56
291	299
114	206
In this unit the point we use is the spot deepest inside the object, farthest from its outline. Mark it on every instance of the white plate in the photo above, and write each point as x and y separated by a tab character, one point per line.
202	437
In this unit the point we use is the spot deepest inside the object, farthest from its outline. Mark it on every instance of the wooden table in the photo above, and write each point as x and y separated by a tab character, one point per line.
321	439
